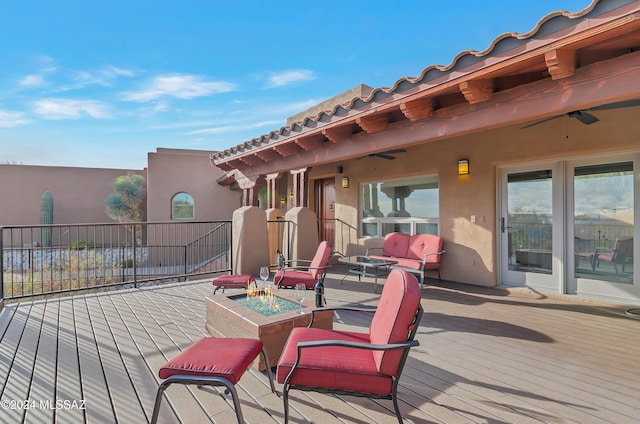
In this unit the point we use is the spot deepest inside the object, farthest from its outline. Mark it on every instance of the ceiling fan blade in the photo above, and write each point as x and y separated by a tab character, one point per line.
543	121
584	117
392	151
383	156
617	105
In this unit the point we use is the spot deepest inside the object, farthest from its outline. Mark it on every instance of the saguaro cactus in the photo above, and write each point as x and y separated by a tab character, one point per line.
46	217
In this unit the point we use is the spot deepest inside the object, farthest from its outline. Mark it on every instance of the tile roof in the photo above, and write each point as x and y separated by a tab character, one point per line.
551	27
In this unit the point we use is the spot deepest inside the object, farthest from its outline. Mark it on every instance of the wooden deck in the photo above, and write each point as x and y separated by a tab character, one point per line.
486	356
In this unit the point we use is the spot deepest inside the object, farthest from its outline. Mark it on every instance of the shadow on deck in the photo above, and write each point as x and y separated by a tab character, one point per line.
485	355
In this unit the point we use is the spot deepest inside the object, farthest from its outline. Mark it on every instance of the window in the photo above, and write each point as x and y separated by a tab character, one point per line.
182	206
408	206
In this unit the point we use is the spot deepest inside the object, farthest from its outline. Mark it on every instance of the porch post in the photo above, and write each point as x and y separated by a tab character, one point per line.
250	187
272	189
300	186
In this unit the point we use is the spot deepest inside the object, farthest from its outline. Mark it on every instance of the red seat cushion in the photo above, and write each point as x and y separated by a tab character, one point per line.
242	280
291	278
227	358
333	367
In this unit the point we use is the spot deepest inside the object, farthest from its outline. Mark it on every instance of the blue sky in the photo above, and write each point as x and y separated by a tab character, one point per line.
101	83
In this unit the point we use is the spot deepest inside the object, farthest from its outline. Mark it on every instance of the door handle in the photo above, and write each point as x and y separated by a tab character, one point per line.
502	226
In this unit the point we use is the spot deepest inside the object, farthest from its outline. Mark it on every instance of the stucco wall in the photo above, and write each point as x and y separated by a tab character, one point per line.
78	193
471	247
173	171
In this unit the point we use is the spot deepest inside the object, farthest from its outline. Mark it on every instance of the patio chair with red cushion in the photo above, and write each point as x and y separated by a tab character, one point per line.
289	276
352	363
620	254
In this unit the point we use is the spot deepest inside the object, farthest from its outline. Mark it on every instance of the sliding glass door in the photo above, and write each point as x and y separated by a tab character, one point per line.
572	226
602	203
528	223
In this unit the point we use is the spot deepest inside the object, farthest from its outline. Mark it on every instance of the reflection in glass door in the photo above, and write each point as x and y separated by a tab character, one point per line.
603	213
527	228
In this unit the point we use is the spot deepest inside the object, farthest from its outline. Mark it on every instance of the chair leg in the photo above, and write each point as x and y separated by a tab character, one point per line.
394	398
285	400
268	366
200	381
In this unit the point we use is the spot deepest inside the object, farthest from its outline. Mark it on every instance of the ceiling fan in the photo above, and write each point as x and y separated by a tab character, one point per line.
587	118
387	154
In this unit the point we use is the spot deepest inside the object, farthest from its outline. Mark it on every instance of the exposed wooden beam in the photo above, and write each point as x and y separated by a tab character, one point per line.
601	83
251	160
312	142
418	109
561	63
476	91
335	134
268	155
374	122
287	149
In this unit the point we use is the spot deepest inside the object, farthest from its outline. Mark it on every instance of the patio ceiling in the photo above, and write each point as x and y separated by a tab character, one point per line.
568	62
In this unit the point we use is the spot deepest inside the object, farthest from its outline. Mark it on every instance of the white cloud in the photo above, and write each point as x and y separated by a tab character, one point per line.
179	86
104	77
56	108
288	77
9	119
230	128
34	80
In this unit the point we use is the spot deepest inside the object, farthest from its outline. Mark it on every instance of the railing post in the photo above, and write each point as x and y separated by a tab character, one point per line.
185	261
135	257
1	267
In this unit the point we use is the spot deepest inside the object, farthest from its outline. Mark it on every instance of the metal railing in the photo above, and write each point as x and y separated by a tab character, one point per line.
47	259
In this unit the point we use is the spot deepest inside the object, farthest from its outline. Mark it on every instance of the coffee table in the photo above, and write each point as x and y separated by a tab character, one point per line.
367	267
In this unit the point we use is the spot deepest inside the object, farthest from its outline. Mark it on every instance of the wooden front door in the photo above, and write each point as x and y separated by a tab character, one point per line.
326	208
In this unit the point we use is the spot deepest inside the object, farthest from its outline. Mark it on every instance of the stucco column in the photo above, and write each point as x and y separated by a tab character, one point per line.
250	243
302	233
275	230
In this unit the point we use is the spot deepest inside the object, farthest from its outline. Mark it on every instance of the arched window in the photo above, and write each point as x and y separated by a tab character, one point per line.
182	206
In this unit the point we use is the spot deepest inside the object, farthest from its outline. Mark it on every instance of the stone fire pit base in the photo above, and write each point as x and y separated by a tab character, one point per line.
228	318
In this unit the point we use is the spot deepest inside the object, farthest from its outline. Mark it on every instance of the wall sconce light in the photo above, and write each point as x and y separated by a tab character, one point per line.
463	167
283	202
345	182
291	196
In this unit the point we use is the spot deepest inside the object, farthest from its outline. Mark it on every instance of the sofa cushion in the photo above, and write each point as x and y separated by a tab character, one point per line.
332	367
409	263
396	244
421	244
392	321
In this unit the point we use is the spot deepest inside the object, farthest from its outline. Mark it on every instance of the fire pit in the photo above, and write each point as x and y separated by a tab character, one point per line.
255	315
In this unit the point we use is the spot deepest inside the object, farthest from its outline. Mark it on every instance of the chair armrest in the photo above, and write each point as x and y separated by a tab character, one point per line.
339	308
424	257
302	267
366	252
357	345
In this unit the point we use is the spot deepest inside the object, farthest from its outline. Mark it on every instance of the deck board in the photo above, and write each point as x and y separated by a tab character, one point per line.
486	356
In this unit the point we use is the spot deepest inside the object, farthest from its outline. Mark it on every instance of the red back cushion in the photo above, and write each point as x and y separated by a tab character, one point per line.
420	244
321	258
396	244
398	304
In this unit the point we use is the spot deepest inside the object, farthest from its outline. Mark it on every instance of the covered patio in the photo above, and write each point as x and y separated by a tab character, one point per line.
485	355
